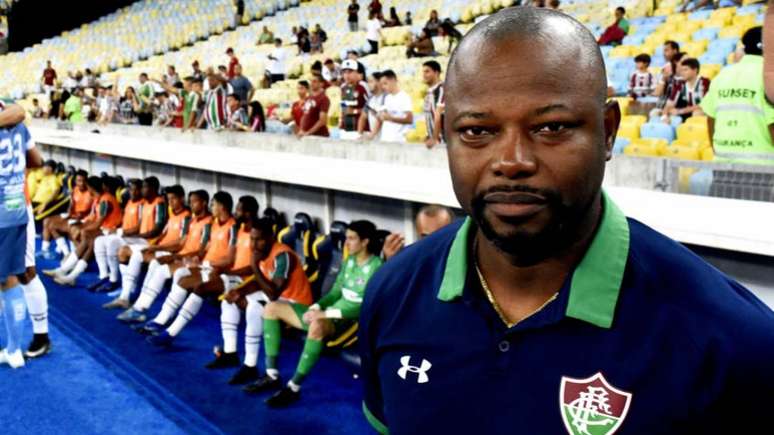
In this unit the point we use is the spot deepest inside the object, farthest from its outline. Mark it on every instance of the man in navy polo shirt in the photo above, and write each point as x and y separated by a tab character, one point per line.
547	311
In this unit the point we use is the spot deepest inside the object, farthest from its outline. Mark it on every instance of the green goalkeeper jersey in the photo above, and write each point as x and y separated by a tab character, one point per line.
349	288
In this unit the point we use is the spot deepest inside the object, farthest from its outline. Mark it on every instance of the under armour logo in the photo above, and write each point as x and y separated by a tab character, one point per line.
421	371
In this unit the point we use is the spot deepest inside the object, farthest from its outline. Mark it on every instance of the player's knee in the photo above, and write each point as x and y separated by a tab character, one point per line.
317	330
28	275
271	311
124	254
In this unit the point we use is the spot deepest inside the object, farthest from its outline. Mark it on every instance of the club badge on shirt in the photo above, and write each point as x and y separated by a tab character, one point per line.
592	406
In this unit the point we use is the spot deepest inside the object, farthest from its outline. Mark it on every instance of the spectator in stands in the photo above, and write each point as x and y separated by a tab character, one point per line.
223	76
145	101
171	78
106	105
126	107
275	71
89	80
434	102
239	12
433	24
430	219
641	82
740	117
166	107
369	116
421	46
297	109
408	20
670	78
353	99
616	32
48	79
237	116
197	73
395	116
315	44
352	54
451	33
394	20
303	41
375	7
241	86
233	61
688	92
256	116
73	106
373	32
314	122
190	96
331	315
352	15
331	72
69	82
321	33
266	36
215	104
36	111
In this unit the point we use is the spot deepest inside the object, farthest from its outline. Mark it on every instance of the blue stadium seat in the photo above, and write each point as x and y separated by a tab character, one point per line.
637	39
700	182
713	58
709	33
328	252
700	15
657	130
619	145
300	237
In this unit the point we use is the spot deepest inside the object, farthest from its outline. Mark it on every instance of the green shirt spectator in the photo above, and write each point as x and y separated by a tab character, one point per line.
72	108
741	121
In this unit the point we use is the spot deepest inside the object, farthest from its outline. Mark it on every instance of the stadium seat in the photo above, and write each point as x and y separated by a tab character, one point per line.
657	130
620	144
646	147
328	252
683	153
300	237
693	131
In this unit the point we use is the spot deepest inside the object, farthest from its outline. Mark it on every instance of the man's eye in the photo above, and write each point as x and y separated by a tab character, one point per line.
473	133
554	127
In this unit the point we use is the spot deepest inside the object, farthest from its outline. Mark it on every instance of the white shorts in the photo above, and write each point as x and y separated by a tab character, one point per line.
29	254
231	282
159	254
259	297
136	244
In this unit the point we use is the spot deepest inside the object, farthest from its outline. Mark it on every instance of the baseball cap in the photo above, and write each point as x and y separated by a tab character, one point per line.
349	64
752	41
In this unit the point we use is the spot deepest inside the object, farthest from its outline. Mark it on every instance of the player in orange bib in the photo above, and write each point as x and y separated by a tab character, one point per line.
229	253
161	269
170	240
105	215
106	246
277	273
58	227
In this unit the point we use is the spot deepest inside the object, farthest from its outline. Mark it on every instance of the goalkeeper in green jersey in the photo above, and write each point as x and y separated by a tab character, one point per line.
333	314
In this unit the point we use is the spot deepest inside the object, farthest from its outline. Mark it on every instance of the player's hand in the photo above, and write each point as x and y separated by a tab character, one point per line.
312	315
393	244
232	296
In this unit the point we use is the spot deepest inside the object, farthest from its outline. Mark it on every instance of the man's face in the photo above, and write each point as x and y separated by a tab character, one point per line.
350	76
527	173
147	190
388	85
260	243
197	86
687	72
427	225
239	213
355	245
174	201
217	208
374	85
315	84
233	103
302	91
214	82
642	66
238	70
195	66
80	182
197	205
143	79
618	14
429	76
187	85
135	192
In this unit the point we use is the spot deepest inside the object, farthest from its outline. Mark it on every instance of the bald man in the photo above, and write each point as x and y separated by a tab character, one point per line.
546	310
430	219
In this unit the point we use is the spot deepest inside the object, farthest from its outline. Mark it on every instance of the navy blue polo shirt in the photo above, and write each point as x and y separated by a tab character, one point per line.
644	337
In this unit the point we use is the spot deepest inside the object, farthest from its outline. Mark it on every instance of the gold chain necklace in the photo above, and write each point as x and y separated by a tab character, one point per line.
490	295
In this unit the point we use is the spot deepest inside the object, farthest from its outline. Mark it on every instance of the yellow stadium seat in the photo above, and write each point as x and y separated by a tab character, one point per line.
646	147
683	153
723	12
634	119
691	143
701	120
629	131
622	51
623	104
710	70
677	18
693	131
663	11
708	154
731	32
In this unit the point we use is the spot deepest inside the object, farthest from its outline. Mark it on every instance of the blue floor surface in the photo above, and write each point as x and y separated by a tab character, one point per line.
104	377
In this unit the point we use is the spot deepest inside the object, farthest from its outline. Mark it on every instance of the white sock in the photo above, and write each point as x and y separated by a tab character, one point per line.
174	299
230	315
154	283
151	269
293	386
79	268
62	246
189	309
71	245
253	331
37	305
129	275
68	263
100	254
113	244
45	245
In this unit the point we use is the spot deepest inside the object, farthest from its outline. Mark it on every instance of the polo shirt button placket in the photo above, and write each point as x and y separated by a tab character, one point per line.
504	346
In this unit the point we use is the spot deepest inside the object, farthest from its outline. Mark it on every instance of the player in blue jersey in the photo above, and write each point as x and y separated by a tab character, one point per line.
17	153
546	310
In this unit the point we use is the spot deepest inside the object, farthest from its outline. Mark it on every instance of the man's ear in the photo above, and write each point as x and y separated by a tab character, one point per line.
612	122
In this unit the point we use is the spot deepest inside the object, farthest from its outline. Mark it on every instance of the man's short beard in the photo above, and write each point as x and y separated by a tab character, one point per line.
524	248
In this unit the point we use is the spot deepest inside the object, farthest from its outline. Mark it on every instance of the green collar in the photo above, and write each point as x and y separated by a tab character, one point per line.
596	281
